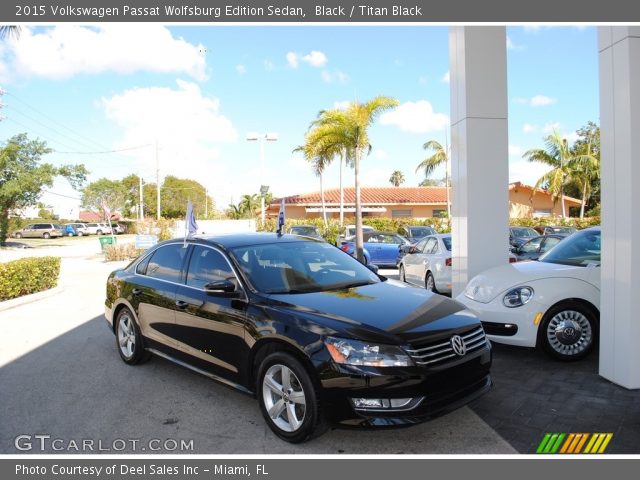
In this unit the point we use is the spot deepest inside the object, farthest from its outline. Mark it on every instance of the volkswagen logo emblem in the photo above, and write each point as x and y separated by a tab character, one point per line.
458	345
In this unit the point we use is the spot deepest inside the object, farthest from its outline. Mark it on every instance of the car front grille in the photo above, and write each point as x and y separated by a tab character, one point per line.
440	352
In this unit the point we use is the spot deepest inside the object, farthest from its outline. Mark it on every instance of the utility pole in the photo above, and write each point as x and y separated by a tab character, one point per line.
141	199
206	203
157	182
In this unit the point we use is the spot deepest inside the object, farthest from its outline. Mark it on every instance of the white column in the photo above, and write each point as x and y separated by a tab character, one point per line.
479	151
619	55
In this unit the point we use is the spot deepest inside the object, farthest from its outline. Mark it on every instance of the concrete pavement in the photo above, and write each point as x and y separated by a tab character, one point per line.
60	374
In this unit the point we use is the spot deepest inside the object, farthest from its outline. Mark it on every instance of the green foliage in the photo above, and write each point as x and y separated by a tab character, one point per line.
176	193
125	251
397	178
579	223
28	275
111	193
163	228
24	177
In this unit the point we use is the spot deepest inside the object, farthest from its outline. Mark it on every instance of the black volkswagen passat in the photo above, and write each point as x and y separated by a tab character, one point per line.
315	335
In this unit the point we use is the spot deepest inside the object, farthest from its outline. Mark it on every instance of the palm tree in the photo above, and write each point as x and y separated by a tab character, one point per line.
348	130
557	155
319	160
397	178
584	170
429	164
250	204
8	31
235	211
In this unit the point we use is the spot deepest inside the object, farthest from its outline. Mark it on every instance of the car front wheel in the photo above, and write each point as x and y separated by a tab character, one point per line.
430	283
129	339
18	235
46	235
288	398
569	331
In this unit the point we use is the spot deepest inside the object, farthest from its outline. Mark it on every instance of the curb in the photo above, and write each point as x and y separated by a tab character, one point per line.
33	297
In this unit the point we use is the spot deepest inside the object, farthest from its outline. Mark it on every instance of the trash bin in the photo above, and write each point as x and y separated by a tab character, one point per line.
106	240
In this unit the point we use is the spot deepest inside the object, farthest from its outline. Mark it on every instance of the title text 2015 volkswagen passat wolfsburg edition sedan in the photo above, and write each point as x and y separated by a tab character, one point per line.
315	335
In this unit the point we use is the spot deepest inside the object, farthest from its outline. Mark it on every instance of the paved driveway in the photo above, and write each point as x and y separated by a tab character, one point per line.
60	375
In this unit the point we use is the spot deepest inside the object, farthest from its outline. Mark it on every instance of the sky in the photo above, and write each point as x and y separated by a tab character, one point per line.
186	97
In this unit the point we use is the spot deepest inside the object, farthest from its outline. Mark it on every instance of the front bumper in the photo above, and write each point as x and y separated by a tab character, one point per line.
441	390
522	317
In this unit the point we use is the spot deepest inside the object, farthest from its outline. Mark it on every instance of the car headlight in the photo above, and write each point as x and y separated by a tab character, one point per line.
354	352
516	297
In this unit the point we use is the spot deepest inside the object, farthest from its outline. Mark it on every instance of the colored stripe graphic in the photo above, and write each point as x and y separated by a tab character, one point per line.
574	443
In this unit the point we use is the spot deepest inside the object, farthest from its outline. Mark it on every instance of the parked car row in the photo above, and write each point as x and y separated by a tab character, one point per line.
53	230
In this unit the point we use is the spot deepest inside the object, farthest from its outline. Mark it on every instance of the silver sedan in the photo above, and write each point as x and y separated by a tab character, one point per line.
428	264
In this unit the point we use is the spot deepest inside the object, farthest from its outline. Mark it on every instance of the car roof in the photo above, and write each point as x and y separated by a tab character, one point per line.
233	240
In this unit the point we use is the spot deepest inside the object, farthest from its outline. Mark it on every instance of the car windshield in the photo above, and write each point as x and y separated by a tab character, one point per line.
447	242
419	232
561	230
300	267
304	230
524	232
580	249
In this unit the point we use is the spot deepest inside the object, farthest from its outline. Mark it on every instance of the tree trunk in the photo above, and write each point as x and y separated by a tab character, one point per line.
324	208
584	200
359	238
4	224
341	193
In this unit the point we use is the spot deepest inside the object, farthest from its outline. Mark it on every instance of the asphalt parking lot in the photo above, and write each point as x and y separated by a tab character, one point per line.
60	375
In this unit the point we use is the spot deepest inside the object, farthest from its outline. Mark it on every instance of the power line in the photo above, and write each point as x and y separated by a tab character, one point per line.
61	195
109	151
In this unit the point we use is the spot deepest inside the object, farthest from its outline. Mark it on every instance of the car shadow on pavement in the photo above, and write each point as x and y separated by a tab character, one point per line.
534	394
75	388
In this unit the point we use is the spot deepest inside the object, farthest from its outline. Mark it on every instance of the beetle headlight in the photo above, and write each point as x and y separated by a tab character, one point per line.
355	352
516	297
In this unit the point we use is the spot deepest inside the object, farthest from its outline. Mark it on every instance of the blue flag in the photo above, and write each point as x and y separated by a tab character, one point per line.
192	225
280	218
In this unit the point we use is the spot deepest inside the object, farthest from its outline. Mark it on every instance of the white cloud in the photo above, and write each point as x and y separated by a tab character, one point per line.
515	150
446	78
512	46
380	154
550	127
529	128
188	126
542	101
292	59
315	59
342	105
415	117
334	77
67	50
526	172
241	69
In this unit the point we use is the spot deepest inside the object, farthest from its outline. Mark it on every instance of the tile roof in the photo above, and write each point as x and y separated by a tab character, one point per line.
374	196
517	185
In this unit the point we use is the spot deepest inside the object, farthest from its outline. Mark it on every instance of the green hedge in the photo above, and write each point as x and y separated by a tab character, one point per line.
578	223
28	275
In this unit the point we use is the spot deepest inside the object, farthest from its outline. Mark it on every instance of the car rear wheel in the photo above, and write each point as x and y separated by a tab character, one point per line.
430	283
288	398
80	234
18	235
98	232
46	235
569	331
129	339
401	273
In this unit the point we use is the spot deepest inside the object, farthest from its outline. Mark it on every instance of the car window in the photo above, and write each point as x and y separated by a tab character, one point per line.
549	243
300	267
431	246
418	232
531	246
166	262
580	249
207	265
420	245
447	243
390	239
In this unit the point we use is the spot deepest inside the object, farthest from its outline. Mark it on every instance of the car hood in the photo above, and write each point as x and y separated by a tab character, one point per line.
489	284
388	311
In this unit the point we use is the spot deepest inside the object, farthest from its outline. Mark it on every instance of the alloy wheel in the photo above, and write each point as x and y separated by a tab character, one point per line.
569	333
284	398
126	336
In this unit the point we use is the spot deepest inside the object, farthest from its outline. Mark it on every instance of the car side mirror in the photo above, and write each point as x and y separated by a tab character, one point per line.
413	249
220	287
373	268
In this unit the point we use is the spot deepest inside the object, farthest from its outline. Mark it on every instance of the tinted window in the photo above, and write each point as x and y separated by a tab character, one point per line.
421	231
580	249
297	267
207	265
447	242
532	245
549	243
166	261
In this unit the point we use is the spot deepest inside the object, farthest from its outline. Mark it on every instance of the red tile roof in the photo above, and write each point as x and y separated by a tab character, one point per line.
373	196
517	185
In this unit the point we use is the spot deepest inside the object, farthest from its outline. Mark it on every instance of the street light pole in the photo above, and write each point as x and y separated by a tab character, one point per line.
262	137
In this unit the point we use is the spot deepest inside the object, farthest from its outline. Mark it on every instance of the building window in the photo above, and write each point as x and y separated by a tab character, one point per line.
401	213
543	212
439	213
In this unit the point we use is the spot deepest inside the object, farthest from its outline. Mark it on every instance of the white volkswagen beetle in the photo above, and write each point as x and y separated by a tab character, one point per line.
552	303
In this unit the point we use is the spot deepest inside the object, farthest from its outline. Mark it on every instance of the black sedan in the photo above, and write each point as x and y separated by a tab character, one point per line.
312	333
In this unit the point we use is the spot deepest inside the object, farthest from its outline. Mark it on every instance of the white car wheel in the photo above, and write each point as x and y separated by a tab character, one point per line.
569	331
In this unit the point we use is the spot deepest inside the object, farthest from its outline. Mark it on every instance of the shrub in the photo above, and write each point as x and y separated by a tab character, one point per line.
125	251
553	221
28	275
163	228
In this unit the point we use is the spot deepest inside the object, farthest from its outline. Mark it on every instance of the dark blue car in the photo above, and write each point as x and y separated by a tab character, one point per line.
380	248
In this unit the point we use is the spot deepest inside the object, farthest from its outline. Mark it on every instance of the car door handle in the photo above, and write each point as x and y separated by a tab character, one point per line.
181	304
136	292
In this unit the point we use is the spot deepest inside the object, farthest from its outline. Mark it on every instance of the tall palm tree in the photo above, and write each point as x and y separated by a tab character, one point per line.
319	159
584	169
250	204
440	156
8	31
235	211
397	178
556	155
348	129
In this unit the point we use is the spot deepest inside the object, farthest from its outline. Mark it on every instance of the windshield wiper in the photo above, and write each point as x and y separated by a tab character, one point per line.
340	286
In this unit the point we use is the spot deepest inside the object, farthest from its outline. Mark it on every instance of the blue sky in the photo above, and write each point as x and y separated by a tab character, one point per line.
198	91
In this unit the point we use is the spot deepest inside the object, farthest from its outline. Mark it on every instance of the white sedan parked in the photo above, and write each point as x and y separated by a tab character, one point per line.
551	303
428	264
